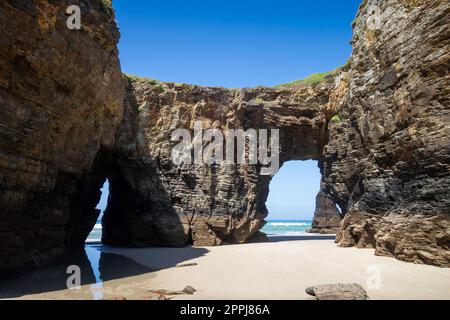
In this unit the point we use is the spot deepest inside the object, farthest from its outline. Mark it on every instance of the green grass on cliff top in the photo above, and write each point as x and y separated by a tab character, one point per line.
134	78
107	3
316	77
309	80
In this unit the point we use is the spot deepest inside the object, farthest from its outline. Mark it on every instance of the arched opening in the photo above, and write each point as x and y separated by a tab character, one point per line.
98	208
88	193
292	198
95	236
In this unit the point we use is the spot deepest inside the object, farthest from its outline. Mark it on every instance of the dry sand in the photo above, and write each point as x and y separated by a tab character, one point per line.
281	269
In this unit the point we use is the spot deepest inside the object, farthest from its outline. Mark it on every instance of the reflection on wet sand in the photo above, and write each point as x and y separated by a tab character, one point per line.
96	266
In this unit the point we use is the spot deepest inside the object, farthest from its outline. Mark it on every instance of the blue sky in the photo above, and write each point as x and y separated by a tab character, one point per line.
293	191
233	43
240	44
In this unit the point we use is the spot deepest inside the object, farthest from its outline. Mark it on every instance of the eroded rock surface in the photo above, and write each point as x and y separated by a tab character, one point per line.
326	216
203	204
387	162
60	103
380	133
340	291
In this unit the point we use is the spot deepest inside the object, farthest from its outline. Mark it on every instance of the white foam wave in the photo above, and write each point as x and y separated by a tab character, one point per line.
287	224
98	226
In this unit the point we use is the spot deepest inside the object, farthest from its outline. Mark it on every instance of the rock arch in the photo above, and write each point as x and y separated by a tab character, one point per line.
385	160
218	203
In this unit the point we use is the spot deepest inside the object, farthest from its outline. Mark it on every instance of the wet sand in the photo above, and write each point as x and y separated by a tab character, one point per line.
281	269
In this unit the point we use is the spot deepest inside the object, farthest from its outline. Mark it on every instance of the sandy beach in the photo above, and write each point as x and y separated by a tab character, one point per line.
281	269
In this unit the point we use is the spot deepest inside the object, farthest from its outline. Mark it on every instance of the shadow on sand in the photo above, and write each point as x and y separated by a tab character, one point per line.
100	263
97	264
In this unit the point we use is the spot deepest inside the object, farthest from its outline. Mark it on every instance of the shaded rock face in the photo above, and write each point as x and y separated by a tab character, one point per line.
326	216
165	204
387	162
60	104
68	121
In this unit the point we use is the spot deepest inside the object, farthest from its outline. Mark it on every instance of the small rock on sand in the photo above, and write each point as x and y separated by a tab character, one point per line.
340	291
186	265
164	292
189	290
157	297
115	298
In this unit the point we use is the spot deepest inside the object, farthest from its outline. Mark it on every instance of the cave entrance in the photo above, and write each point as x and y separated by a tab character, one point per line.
291	200
95	236
89	192
97	212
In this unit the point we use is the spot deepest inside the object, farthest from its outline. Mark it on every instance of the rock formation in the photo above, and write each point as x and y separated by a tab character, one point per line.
160	203
68	121
340	291
326	216
387	161
60	104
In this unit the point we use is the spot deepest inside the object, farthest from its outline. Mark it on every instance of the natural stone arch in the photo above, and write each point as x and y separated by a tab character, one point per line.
386	161
207	204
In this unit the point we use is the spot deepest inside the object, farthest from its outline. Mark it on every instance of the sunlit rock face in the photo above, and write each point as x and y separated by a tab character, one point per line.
387	159
166	204
68	121
60	103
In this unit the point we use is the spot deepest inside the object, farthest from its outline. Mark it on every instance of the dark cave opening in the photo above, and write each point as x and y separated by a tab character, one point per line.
83	211
101	206
118	212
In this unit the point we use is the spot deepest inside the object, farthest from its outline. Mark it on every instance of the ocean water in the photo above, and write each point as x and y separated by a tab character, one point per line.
286	227
273	227
96	233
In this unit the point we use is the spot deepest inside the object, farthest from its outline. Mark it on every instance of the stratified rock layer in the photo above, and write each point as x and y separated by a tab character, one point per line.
387	162
165	204
380	133
326	216
60	103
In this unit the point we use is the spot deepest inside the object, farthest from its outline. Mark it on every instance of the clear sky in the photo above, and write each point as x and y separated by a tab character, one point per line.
234	43
240	43
293	191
